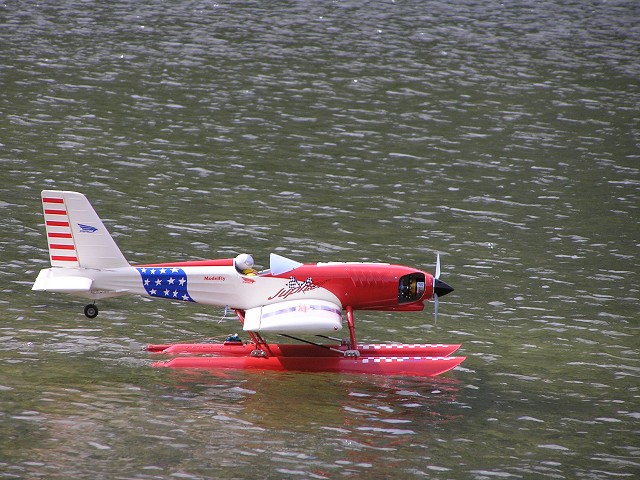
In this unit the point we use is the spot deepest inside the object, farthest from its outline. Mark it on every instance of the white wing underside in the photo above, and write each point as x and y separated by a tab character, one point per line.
308	317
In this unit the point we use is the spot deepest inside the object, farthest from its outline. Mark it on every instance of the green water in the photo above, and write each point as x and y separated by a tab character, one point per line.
502	135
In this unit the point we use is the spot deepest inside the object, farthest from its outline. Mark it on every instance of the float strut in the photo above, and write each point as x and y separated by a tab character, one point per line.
261	346
352	328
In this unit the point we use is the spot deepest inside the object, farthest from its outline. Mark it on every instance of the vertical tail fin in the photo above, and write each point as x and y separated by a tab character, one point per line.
76	236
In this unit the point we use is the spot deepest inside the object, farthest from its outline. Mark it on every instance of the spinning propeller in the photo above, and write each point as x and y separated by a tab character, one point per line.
440	288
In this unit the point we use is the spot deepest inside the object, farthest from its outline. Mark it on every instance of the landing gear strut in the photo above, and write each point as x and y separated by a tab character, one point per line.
91	310
262	349
353	350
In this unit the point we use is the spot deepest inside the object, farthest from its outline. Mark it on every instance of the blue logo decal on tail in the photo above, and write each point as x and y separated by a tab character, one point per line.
87	228
165	282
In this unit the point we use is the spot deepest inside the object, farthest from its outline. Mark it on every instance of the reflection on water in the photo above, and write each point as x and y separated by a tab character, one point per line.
504	136
241	418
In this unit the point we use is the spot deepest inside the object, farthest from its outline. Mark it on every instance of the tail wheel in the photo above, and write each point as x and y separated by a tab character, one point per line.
91	310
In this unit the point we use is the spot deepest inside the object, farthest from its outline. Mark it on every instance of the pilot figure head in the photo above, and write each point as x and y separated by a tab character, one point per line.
244	263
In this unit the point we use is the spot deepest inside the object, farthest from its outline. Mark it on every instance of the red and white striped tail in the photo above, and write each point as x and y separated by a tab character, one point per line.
76	236
62	249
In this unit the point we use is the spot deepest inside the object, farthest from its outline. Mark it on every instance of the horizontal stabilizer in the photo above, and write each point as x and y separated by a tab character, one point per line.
47	281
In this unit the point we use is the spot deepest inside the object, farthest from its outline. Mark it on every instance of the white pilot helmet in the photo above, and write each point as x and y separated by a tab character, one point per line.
244	261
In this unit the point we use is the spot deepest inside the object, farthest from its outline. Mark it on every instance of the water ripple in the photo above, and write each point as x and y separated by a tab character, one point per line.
502	135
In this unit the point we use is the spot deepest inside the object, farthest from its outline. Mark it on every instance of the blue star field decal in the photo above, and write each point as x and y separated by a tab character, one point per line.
165	282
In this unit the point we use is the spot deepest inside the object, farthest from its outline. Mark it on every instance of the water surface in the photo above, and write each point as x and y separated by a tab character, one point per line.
502	135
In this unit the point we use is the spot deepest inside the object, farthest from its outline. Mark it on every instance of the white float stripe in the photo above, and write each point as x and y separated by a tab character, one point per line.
402	359
383	346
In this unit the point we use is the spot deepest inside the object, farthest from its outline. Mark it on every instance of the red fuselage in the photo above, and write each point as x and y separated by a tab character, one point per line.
370	286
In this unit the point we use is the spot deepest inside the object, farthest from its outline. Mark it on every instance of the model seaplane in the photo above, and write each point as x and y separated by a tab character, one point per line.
289	299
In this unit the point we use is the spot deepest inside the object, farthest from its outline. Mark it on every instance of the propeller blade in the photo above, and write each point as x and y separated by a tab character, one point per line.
437	274
435	307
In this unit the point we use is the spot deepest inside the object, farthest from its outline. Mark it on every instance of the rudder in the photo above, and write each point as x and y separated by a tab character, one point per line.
76	236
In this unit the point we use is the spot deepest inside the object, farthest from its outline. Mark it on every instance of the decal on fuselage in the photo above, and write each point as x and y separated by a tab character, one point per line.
165	282
215	278
295	286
